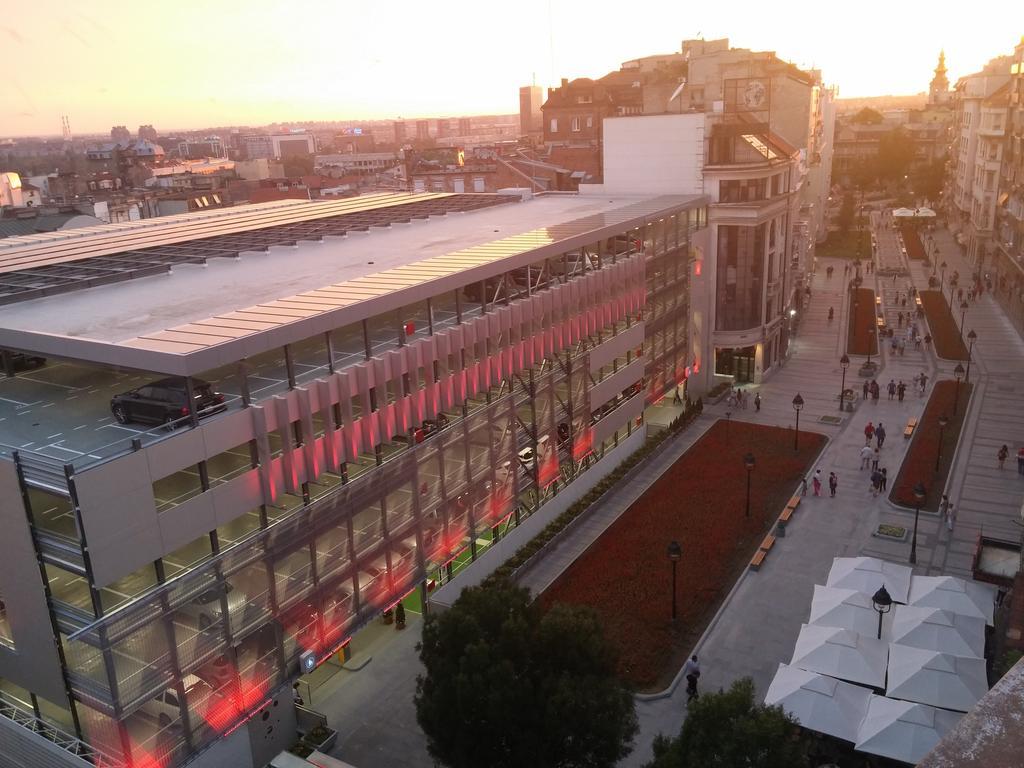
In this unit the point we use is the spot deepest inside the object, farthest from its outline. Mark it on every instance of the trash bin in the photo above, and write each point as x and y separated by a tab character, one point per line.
780	529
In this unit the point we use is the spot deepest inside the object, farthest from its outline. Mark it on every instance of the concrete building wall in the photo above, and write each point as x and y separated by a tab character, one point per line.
654	154
32	662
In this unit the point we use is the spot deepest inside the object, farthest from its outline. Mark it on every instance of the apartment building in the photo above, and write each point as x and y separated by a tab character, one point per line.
1007	252
262	426
980	103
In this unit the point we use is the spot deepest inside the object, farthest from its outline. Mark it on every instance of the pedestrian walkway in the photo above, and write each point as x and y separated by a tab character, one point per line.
757	627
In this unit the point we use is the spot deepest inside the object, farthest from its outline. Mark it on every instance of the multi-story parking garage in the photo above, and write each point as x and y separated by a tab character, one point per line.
230	439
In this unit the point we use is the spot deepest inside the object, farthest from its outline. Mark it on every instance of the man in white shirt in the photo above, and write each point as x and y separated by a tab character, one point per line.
691	671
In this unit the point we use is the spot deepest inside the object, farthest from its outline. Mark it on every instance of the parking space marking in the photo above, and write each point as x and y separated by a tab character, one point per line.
49	383
26	445
48	405
53	436
83	426
18	403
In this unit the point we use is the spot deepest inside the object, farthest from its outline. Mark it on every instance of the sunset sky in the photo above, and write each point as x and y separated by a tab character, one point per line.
197	63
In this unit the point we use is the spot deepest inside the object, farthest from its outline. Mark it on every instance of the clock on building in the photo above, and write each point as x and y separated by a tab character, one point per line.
755	94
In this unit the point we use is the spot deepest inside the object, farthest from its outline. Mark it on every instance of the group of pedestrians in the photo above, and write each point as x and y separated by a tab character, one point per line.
816	483
870	457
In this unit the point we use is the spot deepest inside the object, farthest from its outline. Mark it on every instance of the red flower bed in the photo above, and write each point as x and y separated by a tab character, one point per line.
943	326
915	248
919	463
699	502
862	335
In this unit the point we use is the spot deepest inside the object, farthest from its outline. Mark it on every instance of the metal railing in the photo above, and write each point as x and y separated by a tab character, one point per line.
71	744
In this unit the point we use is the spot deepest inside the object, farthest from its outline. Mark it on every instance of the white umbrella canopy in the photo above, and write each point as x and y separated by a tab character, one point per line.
940	679
949	593
937	630
820	703
844	608
902	730
902	212
867	574
841	653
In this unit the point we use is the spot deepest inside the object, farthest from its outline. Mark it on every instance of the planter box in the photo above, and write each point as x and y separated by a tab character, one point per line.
325	745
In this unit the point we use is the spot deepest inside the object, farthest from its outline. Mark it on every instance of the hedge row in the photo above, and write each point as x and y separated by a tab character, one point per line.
533	546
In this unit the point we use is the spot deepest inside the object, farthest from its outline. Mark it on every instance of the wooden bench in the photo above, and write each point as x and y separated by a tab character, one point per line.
794	502
787	513
768	543
911	426
755	563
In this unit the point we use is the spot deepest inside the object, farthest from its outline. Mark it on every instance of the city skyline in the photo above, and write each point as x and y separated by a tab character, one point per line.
316	61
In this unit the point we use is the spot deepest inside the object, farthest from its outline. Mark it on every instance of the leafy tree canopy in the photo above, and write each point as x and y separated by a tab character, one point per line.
846	211
508	686
867	116
729	730
895	154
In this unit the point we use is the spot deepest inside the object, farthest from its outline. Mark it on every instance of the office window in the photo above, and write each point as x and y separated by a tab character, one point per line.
574	126
554	125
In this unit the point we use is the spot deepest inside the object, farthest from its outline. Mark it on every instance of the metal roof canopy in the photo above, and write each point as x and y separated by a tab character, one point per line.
202	344
60	271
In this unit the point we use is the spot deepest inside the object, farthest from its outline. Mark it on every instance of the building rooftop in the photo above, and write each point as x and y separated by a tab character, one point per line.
204	311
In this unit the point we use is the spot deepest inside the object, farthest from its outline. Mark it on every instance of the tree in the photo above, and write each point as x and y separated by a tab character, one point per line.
895	154
867	116
728	730
507	685
845	218
927	182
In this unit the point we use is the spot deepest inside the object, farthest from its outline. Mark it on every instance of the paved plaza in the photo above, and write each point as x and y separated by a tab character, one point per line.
758	625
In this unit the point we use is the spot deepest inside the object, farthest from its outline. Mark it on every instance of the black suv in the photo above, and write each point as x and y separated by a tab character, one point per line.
165	402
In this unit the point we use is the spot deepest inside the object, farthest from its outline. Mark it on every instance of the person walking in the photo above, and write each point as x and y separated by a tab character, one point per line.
875	392
869	432
867	389
884	482
946	512
891	388
1003	453
757	402
865	456
874	459
901	390
880	434
833	483
816	482
1020	460
803	486
876	482
691	671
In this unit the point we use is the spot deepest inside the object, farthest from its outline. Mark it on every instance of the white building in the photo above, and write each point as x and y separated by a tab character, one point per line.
980	103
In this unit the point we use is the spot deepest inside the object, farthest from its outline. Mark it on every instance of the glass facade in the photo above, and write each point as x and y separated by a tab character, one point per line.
376	492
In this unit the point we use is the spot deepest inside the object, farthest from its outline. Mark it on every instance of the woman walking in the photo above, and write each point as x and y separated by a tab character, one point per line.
816	482
833	483
1003	453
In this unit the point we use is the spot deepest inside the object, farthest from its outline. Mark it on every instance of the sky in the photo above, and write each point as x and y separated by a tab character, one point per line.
202	63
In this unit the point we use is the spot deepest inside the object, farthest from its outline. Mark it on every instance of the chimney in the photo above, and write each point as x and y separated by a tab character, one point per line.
565	81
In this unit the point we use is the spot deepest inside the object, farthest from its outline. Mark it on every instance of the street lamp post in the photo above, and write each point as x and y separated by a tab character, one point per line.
958	373
871	331
844	363
971	337
881	602
953	283
675	552
798	404
942	277
963	316
943	421
748	462
919	493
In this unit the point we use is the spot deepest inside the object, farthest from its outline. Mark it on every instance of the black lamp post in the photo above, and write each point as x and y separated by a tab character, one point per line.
844	363
963	316
871	331
943	421
942	277
919	493
881	602
971	337
953	283
798	404
748	462
675	552
958	373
